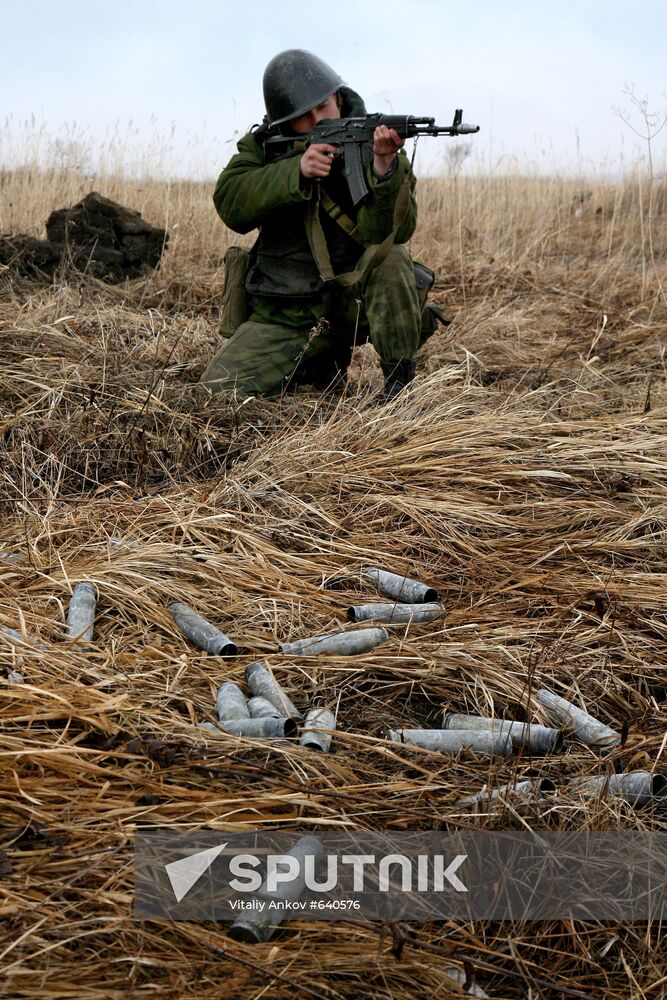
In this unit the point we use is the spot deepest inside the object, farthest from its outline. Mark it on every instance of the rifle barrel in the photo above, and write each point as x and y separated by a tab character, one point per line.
409	125
461	129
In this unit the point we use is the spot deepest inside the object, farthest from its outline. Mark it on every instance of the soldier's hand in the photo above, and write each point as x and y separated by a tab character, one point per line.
386	143
317	160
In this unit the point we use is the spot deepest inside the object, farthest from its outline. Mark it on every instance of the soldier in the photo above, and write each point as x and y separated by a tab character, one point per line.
301	329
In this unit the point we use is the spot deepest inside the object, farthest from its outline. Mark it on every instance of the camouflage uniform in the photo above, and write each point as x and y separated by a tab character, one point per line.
301	328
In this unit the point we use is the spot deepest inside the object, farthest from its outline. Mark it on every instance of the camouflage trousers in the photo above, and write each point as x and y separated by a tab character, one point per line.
292	343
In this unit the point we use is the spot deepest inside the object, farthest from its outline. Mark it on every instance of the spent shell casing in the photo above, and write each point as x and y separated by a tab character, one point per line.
260	729
452	741
12	558
260	927
638	788
395	614
317	729
81	612
460	977
400	588
520	790
18	639
261	708
201	632
338	644
529	735
582	725
211	727
263	684
230	702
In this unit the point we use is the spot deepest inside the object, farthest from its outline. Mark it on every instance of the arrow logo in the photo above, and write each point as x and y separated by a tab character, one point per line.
183	874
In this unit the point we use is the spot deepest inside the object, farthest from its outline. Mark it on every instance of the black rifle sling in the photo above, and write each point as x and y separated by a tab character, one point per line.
318	243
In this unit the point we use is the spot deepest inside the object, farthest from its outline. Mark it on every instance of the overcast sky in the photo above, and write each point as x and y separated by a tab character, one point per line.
180	80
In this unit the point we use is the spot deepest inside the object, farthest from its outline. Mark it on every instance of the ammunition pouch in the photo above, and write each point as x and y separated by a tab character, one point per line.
234	310
424	278
431	314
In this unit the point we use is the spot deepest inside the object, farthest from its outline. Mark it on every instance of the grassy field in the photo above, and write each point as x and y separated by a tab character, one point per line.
523	476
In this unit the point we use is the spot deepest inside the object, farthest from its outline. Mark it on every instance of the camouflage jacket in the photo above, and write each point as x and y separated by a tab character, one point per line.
273	197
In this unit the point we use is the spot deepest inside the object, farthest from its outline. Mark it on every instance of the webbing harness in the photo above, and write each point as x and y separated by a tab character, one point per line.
318	244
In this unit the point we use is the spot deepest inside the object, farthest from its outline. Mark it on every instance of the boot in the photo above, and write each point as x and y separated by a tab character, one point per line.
397	374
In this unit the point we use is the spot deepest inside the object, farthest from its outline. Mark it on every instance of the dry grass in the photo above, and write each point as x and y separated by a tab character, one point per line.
525	477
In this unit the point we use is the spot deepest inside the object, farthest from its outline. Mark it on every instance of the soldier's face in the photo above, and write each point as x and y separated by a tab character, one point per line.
325	109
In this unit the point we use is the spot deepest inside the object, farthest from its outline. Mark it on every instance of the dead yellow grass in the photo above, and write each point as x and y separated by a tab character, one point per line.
524	477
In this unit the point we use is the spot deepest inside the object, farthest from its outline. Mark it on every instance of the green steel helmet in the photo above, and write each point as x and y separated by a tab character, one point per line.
294	82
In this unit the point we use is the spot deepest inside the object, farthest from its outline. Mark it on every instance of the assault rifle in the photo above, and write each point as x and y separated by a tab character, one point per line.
352	133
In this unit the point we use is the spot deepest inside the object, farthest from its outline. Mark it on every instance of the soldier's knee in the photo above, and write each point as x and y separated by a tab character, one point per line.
255	361
216	378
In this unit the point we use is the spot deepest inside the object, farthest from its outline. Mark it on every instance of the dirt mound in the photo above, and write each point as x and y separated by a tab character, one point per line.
96	235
